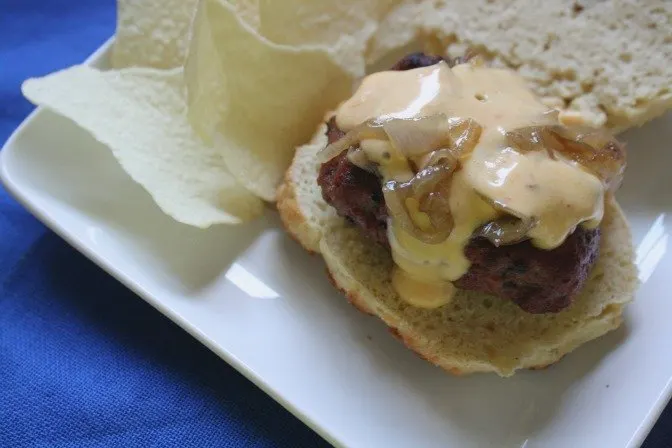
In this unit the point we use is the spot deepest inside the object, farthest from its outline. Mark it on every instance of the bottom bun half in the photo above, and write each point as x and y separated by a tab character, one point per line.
475	332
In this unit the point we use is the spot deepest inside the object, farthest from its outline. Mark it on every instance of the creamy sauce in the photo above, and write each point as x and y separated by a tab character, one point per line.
444	261
495	98
391	163
557	193
421	293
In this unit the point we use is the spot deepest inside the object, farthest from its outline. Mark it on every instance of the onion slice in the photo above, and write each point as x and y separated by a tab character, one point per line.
464	135
419	136
413	137
444	155
506	230
420	205
511	228
370	129
594	149
534	138
357	157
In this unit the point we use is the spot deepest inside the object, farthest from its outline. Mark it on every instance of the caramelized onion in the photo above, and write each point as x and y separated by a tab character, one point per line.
369	129
437	206
594	149
357	157
419	136
506	230
511	228
534	138
420	206
464	135
444	155
413	137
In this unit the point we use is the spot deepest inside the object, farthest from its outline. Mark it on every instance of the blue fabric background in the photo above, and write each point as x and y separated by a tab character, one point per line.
83	361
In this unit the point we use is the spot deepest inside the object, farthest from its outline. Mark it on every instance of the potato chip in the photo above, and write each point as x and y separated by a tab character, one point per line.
204	76
398	29
265	99
155	33
140	114
247	11
152	33
344	26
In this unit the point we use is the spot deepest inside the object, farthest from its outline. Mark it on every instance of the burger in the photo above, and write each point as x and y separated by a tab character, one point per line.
477	222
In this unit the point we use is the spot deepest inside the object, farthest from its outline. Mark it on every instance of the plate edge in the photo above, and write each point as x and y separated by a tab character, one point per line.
40	214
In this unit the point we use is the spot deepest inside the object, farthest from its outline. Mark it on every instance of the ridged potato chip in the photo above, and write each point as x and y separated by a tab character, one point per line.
257	100
152	33
140	114
155	33
343	27
247	11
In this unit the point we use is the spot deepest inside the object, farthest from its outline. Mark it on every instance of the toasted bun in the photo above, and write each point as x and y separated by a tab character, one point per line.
475	332
607	60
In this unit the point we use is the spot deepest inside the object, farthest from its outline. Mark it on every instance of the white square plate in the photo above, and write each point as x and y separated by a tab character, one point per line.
265	306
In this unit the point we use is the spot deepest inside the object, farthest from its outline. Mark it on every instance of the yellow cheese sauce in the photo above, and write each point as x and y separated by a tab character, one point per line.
391	163
559	194
420	293
495	98
444	261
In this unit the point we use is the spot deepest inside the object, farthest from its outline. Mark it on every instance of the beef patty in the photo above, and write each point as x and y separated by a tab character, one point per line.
538	281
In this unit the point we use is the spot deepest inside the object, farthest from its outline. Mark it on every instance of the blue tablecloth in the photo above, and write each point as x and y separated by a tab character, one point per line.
83	361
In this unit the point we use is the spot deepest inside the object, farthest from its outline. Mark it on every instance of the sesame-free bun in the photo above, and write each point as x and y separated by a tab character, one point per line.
607	61
474	332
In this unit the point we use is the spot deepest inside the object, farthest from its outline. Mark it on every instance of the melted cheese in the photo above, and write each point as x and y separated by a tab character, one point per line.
420	293
392	164
557	193
495	98
444	261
